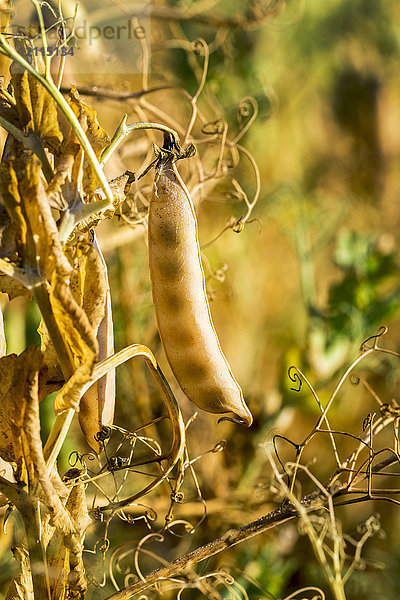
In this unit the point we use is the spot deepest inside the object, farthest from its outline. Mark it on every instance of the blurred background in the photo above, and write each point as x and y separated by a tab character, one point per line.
313	272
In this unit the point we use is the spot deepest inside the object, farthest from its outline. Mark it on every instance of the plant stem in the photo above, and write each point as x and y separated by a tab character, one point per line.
62	423
30	515
123	130
56	438
181	564
37	553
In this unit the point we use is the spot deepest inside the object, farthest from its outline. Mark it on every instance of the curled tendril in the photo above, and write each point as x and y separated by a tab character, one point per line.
295	377
381	332
368	421
198	46
236	420
247	107
220	446
188	527
76	457
130	579
102	545
246	115
237	225
360	564
177	496
150	514
104	434
217	127
371	526
117	462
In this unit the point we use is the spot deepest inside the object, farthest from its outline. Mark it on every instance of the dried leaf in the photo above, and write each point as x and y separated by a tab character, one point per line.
5	468
50	357
63	187
78	303
43	229
98	403
7	242
7	392
11	200
12	287
17	372
21	587
89	283
120	187
77	508
7	472
57	565
96	135
34	227
77	331
64	553
36	108
9	112
24	423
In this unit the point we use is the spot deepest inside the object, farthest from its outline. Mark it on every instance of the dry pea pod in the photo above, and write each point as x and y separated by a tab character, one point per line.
179	295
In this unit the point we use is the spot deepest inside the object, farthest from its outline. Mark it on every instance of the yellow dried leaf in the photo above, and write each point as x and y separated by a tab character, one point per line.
35	107
7	472
89	281
96	135
81	340
7	242
120	187
16	373
64	174
12	287
64	553
50	358
21	586
11	200
78	303
97	404
77	508
35	230
9	112
45	250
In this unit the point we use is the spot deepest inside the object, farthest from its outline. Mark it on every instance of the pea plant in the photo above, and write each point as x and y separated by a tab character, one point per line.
54	193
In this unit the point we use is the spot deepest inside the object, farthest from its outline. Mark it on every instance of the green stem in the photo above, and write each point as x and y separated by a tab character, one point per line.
123	130
56	438
79	213
43	36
